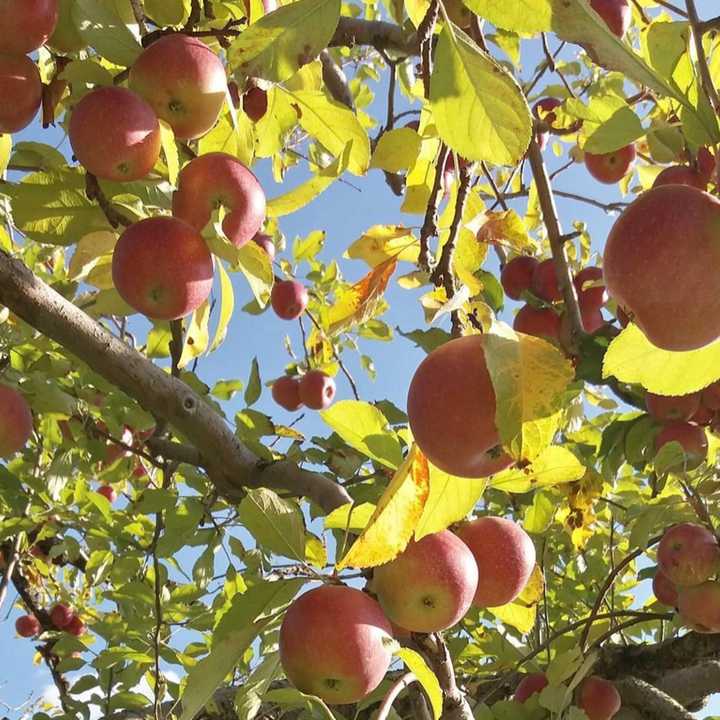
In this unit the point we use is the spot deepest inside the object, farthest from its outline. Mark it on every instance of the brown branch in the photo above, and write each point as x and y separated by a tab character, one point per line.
708	25
335	80
691	685
651	701
425	37
10	565
702	63
429	226
396	688
94	192
139	13
351	32
230	464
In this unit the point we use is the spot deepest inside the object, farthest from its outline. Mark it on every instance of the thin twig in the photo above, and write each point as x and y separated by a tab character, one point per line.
139	13
429	226
395	689
176	346
702	63
94	192
11	563
425	37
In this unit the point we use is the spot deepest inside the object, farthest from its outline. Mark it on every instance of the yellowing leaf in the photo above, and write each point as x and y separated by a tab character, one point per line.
167	137
506	228
385	242
522	16
450	499
227	305
632	358
533	591
197	336
396	150
426	677
89	251
315	552
5	150
517	614
256	266
555	465
350	516
397	513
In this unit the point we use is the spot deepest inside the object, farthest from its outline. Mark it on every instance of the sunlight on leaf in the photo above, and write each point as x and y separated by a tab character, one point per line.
381	243
555	465
426	677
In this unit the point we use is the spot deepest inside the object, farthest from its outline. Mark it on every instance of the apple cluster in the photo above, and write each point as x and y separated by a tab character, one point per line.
61	616
315	390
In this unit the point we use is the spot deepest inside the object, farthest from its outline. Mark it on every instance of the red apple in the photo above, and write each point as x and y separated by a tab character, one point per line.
430	586
711	396
255	103
592	318
340	662
286	393
25	25
590	287
688	554
234	92
27	626
107	491
543	110
540	322
516	275
184	81
16	422
75	627
691	437
218	179
266	243
505	556
114	134
617	16
162	267
20	92
672	407
681	175
699	606
704	416
529	685
451	406
317	390
706	163
61	616
665	589
599	698
289	298
667	233
611	167
544	283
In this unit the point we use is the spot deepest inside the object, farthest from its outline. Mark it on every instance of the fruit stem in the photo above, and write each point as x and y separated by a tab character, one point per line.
395	689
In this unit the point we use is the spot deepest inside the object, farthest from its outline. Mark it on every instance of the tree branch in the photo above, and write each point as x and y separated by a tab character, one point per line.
649	700
691	685
335	80
705	75
380	35
429	226
397	687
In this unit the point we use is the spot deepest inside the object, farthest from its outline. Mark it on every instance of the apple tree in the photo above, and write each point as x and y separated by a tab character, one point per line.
526	526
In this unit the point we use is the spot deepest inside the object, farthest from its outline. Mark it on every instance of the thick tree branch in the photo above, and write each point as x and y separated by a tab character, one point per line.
230	464
335	80
650	701
380	35
691	685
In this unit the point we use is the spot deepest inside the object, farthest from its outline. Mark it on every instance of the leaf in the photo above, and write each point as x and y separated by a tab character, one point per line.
397	513
479	109
505	227
90	249
554	465
381	243
365	428
172	159
280	43
632	358
5	150
450	499
276	524
254	386
227	306
256	266
396	150
426	677
101	27
608	123
521	16
350	516
197	336
517	614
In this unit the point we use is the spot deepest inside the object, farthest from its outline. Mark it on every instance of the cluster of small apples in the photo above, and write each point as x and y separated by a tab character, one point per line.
427	588
688	558
315	390
16	421
254	101
62	617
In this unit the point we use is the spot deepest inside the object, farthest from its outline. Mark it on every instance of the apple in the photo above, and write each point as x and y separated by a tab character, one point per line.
617	16
75	627
286	393
317	390
218	179
599	698
540	322
704	416
699	606
335	643
16	422
590	287
681	175
691	437
529	685
666	408
665	589
66	38
544	283
611	167
61	616
451	407
711	396
234	92
667	233
108	492
289	298
688	554
162	267
266	243
505	556
20	92
592	318
255	103
184	81
516	275
25	25
430	586
27	626
543	110
706	163
114	134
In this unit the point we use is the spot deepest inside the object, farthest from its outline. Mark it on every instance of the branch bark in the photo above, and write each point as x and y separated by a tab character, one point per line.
650	701
380	35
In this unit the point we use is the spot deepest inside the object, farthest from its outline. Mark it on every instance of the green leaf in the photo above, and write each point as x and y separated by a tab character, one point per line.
168	12
256	266
254	386
365	428
350	516
554	466
425	676
396	150
281	42
197	336
225	389
101	27
172	159
522	16
608	123
227	306
250	694
479	109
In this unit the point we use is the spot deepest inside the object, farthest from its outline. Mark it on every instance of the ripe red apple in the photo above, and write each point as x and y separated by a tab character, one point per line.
617	16
20	92
706	163
667	233
691	437
591	287
699	606
107	491
704	416
592	318
61	616
25	25
543	110
672	407
218	179
516	275
688	554
540	322
451	406
430	586
544	283
234	92
340	662
505	556
611	167
66	37
255	103
75	627
681	175
317	390
599	698
184	81
161	267
266	243
529	685
711	396
289	298
665	589
27	626
16	421
114	134
286	393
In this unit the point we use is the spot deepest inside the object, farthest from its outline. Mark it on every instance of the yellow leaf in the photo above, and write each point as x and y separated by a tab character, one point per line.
505	228
385	242
397	513
468	259
632	358
396	150
89	251
227	305
450	499
553	466
167	138
315	552
198	336
517	614
533	591
426	677
5	150
420	178
350	516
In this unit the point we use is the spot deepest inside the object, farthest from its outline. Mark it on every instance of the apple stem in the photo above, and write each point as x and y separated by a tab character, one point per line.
395	689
